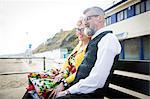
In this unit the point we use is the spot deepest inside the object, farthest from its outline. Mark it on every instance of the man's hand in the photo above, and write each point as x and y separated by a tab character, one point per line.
58	88
60	94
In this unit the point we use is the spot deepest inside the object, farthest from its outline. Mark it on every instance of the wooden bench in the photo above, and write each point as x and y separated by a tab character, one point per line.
131	79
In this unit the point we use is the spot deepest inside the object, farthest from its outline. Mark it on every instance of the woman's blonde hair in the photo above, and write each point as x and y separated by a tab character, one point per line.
80	21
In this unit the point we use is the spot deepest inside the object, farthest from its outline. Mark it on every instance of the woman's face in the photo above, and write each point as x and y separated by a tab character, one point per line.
80	33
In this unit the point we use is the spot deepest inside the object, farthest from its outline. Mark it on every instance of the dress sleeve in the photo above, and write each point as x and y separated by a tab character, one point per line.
70	78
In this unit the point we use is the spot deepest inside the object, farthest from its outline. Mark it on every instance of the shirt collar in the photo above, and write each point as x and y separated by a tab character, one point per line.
98	32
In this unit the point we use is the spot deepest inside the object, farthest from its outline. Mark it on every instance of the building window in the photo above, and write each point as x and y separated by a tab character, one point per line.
142	7
125	14
147	5
130	11
113	19
105	21
137	9
146	40
120	16
121	56
108	20
131	48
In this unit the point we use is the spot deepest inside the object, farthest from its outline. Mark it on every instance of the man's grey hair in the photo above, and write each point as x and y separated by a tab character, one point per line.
94	11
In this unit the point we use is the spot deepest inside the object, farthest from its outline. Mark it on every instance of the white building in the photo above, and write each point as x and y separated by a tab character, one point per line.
60	53
130	21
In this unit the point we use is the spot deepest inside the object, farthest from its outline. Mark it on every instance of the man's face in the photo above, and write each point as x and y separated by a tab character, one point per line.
91	23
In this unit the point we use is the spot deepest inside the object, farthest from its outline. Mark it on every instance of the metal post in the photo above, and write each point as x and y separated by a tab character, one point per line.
44	62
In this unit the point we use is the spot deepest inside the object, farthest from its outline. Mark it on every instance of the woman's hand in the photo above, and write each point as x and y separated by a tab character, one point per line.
55	71
57	78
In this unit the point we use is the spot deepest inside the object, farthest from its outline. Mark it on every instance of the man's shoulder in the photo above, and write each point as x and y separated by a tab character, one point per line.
110	34
110	37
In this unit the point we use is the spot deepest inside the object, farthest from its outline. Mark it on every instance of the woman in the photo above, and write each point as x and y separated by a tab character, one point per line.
74	60
67	73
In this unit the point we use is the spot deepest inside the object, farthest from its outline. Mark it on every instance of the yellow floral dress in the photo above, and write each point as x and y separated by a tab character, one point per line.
68	70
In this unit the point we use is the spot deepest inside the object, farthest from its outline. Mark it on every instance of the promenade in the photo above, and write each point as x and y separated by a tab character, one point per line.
14	86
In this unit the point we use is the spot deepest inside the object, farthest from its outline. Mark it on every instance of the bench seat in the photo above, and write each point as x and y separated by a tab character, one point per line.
131	79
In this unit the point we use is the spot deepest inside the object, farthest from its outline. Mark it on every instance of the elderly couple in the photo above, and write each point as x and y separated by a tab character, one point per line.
86	72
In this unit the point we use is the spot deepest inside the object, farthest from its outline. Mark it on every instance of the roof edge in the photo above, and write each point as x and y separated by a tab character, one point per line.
122	1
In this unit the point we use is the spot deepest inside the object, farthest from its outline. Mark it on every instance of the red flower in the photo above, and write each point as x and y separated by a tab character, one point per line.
73	70
69	68
30	87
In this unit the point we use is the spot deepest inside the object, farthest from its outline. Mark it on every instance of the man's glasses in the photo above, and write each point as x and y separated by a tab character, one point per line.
89	17
81	30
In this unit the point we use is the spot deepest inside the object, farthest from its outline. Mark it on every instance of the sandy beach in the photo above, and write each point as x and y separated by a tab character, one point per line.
13	86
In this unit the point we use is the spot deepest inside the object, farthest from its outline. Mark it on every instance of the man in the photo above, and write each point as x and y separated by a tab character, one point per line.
93	74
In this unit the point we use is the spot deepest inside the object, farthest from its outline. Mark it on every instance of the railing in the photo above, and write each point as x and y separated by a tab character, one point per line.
44	67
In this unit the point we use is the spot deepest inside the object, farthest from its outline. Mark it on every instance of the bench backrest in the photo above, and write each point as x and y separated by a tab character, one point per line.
131	79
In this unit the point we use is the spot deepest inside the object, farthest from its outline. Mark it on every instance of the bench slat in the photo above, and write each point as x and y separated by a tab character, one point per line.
112	93
134	84
134	66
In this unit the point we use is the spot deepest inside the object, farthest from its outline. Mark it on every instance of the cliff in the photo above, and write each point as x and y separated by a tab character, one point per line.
64	39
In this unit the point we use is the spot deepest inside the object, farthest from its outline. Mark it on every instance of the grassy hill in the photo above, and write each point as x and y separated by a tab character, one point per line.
65	39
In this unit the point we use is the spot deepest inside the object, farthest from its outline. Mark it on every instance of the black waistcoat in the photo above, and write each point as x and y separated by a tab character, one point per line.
89	58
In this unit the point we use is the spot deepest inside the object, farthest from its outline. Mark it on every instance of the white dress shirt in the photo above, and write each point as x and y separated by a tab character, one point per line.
108	48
